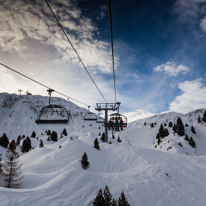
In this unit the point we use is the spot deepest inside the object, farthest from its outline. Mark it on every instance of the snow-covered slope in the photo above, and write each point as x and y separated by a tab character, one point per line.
149	176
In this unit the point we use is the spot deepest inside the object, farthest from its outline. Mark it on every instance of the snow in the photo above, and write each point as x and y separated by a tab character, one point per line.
149	176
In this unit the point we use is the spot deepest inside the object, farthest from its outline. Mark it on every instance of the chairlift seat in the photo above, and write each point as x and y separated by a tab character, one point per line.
90	117
52	121
116	116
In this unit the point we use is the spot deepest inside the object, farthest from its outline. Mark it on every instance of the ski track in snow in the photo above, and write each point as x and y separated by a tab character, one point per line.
54	176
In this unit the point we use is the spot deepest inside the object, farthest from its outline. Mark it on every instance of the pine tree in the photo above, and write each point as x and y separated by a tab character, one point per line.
103	137
99	200
33	135
123	200
41	143
199	119
118	139
152	125
4	141
186	137
54	136
96	144
12	174
64	132
170	124
107	196
192	142
12	146
180	127
113	137
174	128
193	130
114	202
162	132
158	135
1	169
204	117
84	161
26	145
158	141
49	132
18	140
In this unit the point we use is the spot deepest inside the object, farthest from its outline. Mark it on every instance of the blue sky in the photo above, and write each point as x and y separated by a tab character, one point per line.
159	49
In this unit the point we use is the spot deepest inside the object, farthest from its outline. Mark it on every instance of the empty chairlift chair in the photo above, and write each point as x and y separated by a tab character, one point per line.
52	109
100	119
90	116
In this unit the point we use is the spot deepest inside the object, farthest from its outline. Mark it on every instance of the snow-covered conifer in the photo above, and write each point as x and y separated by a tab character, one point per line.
99	199
192	142
96	144
4	141
193	130
170	124
41	143
26	145
54	136
12	146
204	117
107	196
12	174
1	164
103	137
84	161
33	135
186	137
18	140
180	127
123	200
64	132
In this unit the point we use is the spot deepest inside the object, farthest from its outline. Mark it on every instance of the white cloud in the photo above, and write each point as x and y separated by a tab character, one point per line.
193	97
9	83
132	74
138	114
203	24
35	21
171	69
189	9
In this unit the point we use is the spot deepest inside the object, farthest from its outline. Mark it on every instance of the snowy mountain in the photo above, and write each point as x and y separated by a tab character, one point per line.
148	173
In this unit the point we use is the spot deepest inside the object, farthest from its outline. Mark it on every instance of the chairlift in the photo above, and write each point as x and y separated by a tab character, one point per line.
116	120
100	119
90	116
52	108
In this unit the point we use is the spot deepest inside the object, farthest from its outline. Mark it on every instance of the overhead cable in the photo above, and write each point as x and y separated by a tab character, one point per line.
110	21
75	50
42	84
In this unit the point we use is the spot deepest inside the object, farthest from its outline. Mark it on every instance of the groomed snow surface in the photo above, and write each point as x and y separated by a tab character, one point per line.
149	176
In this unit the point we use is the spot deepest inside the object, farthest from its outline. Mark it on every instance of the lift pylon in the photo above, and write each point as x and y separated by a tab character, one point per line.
107	107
